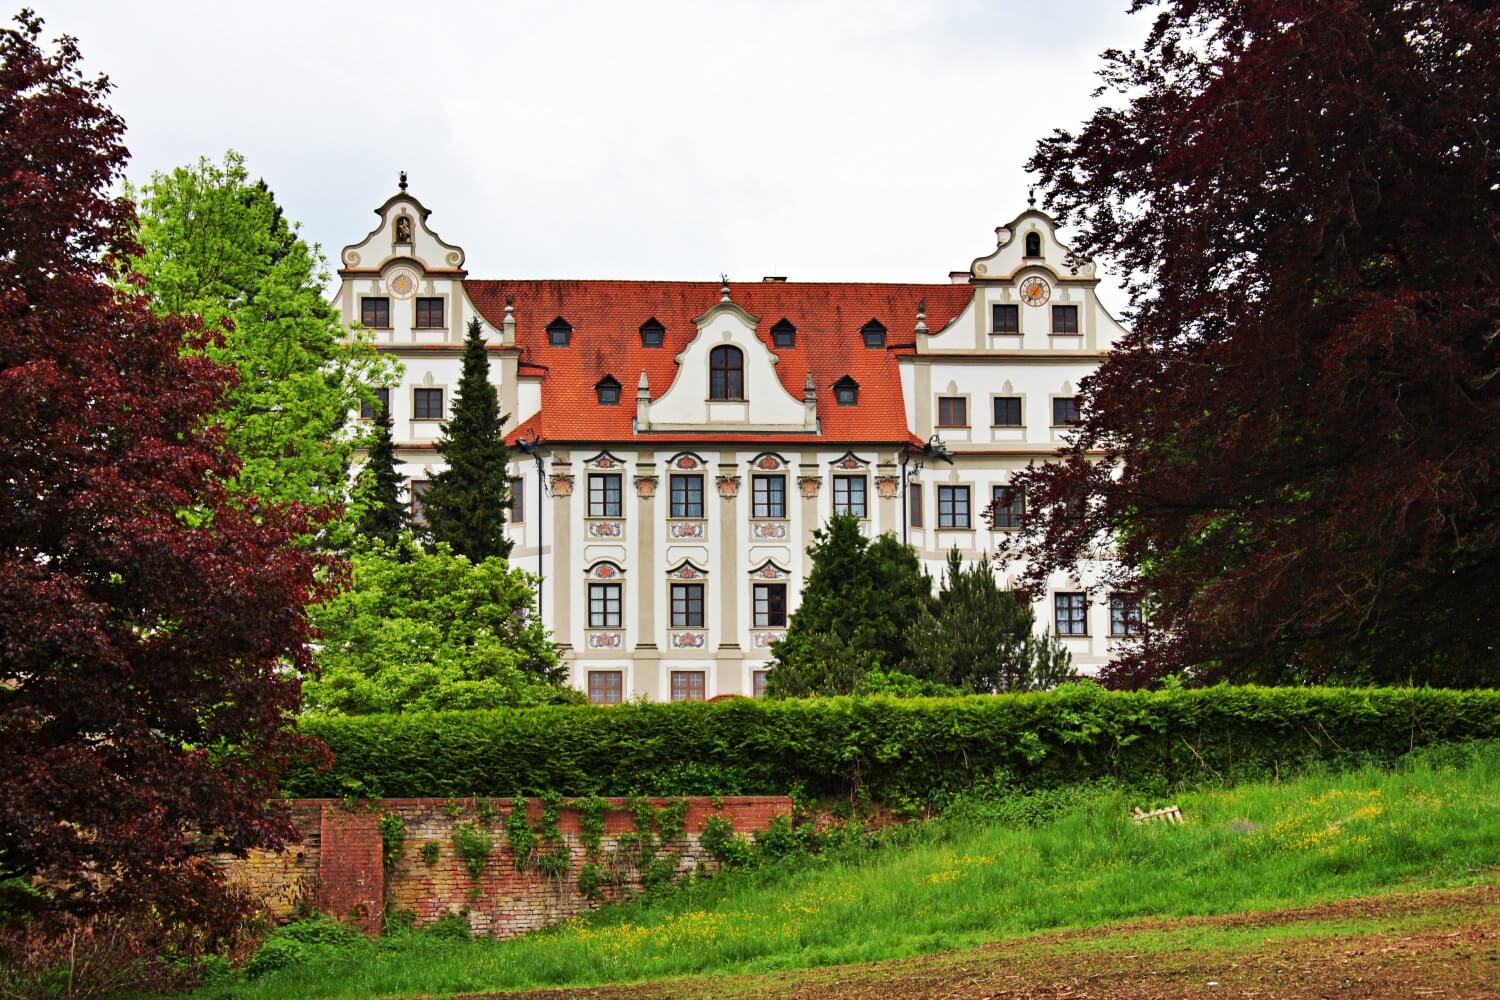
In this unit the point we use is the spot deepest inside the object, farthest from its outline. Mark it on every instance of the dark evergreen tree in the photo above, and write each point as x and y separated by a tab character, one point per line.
858	609
979	637
381	514
466	504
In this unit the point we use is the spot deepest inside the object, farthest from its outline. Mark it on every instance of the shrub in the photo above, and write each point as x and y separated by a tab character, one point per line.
300	942
473	843
896	751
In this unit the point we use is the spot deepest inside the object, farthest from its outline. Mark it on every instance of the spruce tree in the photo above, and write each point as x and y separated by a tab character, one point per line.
466	504
381	514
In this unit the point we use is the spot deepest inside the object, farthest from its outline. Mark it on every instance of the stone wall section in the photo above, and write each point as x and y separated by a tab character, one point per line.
338	867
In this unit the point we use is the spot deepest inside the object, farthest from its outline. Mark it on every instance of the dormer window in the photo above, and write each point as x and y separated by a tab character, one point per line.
1033	244
608	390
726	373
846	391
873	333
784	334
559	333
653	334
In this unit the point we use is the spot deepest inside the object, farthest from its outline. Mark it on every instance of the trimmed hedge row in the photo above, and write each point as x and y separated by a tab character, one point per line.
898	751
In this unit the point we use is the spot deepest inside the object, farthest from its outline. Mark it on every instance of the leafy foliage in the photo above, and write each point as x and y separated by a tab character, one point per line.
977	637
1299	434
148	619
216	245
857	611
430	630
465	505
473	843
897	751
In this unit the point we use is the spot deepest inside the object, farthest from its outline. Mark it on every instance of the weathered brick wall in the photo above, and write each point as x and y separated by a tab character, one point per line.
338	864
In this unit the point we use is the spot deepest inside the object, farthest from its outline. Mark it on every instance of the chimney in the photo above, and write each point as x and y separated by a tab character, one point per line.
508	326
809	404
777	279
643	404
959	277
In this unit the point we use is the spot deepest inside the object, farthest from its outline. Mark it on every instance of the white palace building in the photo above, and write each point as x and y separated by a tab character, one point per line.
677	442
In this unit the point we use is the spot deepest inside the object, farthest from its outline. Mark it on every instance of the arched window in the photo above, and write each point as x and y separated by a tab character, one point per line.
1033	244
726	373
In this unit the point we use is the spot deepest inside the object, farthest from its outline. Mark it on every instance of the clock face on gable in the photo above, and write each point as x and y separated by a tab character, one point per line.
1035	291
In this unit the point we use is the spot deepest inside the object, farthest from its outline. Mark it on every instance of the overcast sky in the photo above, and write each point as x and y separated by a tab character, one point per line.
873	140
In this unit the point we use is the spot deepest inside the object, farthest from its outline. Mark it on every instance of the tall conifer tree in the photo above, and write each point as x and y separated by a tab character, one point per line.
466	504
382	516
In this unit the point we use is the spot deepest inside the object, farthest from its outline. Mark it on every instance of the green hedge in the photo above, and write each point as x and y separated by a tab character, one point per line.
899	751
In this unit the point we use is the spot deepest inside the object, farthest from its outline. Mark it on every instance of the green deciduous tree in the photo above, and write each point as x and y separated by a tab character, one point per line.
379	513
465	506
216	244
980	637
431	630
857	611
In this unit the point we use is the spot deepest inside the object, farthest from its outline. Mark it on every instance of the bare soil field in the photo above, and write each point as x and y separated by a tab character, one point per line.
1428	944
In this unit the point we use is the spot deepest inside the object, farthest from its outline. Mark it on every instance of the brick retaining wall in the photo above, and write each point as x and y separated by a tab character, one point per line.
337	867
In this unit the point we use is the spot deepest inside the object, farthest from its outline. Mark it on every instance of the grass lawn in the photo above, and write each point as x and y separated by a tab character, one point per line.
967	879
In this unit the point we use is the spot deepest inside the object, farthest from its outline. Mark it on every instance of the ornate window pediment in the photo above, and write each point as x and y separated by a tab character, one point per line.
768	570
604	460
850	462
687	570
604	570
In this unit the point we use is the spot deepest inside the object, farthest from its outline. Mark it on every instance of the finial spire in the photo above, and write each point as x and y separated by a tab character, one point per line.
403	180
921	316
1031	197
724	289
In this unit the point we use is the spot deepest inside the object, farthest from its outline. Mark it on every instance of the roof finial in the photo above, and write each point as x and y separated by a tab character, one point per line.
724	289
1031	197
809	391
922	316
403	180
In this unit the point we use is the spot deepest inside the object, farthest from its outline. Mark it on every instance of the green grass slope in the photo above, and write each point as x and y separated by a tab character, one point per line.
971	878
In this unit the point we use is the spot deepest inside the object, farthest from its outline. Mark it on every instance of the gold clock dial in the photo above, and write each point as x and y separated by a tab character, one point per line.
1035	291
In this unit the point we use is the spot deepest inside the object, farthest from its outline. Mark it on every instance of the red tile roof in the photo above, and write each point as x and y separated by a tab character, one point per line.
606	317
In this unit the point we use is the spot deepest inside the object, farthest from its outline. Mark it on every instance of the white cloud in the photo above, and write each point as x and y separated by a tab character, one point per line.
876	140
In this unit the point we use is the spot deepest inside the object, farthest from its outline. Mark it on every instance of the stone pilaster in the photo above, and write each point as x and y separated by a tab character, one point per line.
729	569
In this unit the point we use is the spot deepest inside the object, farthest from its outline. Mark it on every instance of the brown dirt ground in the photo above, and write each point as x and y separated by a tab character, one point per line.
1429	944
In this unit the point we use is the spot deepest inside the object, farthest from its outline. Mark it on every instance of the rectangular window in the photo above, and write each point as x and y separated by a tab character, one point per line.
689	685
419	488
429	314
687	496
953	411
382	404
1064	319
1071	614
758	682
914	503
604	605
375	313
1010	506
770	605
1005	318
768	496
1065	411
953	506
517	501
1124	614
604	494
849	495
1007	411
687	605
606	687
427	404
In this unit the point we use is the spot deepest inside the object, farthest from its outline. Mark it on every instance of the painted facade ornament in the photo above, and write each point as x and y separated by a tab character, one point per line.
402	282
606	529
768	463
645	486
1035	291
605	571
604	460
562	484
687	571
685	529
606	640
768	529
687	462
770	571
887	486
809	485
689	640
850	462
764	640
729	486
